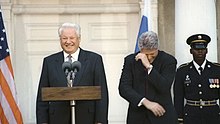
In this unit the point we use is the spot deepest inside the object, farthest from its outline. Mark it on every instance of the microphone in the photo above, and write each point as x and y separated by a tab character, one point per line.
66	66
76	65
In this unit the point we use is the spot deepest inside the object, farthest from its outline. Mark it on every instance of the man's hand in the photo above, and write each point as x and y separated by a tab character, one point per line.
144	59
156	108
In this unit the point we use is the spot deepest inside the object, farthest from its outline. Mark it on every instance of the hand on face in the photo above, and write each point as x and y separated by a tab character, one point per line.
147	56
143	58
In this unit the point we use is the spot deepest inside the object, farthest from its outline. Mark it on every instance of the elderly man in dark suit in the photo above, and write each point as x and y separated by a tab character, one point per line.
92	73
196	86
145	83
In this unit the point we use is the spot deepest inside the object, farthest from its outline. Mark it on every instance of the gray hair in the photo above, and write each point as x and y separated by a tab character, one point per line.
148	40
76	27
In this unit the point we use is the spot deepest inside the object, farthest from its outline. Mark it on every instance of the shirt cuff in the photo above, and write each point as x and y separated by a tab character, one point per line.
180	119
149	69
140	103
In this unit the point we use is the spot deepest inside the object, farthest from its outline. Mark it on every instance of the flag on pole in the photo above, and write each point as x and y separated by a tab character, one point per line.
144	24
9	110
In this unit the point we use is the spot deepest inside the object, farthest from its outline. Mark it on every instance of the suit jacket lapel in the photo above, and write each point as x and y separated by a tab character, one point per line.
82	59
58	66
193	71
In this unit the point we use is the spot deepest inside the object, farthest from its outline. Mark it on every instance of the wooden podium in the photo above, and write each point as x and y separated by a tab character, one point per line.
71	94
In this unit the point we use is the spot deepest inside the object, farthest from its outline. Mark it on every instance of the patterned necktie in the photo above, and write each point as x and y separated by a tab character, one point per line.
69	58
200	69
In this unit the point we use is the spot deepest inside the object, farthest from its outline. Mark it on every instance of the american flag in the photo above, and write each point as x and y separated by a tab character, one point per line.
9	110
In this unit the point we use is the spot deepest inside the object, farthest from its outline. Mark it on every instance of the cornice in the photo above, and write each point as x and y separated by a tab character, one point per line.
72	9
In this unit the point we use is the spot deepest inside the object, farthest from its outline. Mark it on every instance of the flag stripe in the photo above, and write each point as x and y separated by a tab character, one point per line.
8	76
6	111
9	65
8	102
143	28
2	116
6	85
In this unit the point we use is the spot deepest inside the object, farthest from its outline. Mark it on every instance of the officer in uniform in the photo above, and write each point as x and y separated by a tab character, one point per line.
196	86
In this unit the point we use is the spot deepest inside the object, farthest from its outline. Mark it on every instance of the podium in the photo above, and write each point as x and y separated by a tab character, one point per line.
71	94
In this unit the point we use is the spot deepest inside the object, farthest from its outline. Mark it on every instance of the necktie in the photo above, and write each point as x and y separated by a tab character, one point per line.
69	58
69	83
200	69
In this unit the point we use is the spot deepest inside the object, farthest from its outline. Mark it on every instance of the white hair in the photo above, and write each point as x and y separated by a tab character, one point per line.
76	27
148	40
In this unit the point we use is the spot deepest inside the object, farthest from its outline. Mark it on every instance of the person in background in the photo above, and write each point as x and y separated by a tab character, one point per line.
92	73
196	86
146	81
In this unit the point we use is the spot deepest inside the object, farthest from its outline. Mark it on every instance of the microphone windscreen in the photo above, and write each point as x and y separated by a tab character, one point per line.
76	66
66	66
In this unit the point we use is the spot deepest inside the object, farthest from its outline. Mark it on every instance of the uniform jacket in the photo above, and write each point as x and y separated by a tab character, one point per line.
91	73
192	86
135	84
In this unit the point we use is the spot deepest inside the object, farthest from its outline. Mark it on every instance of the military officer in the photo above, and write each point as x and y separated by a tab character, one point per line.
196	86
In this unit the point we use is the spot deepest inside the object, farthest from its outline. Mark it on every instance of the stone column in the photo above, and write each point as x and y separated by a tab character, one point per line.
191	17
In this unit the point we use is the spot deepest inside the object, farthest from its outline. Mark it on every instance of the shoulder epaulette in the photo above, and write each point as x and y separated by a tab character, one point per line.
217	64
183	65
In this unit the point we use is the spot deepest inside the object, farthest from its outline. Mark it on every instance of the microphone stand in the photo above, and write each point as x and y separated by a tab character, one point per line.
70	75
70	79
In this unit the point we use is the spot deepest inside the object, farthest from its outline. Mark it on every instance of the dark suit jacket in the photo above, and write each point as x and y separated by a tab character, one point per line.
135	84
91	74
192	86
